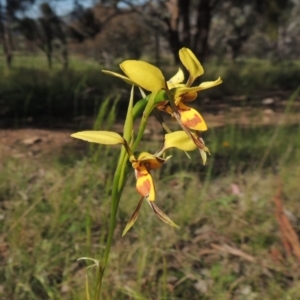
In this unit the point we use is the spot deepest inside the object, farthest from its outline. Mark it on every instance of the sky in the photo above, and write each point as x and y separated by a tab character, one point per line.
61	7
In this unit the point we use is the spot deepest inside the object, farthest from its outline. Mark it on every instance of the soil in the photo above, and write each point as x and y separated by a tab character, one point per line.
32	142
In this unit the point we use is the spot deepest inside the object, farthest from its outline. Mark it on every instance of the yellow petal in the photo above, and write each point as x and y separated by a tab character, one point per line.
201	87
100	137
209	84
162	215
144	183
126	79
179	140
176	79
191	118
133	217
192	64
144	74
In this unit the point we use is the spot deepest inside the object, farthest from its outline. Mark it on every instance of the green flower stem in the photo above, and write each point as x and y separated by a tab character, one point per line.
140	105
146	106
117	189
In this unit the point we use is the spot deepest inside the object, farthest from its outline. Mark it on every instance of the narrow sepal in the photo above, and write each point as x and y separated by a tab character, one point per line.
125	78
133	217
162	215
203	156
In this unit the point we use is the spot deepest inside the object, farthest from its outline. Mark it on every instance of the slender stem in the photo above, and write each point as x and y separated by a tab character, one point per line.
115	198
118	186
120	177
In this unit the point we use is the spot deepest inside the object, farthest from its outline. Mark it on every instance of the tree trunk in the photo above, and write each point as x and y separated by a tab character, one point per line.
203	27
172	24
8	53
184	12
6	37
49	58
65	57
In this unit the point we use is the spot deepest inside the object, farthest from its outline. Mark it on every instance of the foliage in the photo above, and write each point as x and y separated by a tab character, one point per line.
47	32
30	94
213	28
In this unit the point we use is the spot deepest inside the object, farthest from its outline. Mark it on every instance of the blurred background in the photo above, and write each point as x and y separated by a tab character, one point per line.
239	214
51	50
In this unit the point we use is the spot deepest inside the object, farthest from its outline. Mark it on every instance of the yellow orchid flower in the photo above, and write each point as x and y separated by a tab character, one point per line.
184	93
142	165
150	78
185	142
145	186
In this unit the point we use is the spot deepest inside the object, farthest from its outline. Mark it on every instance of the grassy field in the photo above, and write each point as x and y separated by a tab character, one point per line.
235	241
54	209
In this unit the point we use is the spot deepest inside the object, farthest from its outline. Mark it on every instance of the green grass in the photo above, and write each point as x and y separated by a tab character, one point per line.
253	78
55	209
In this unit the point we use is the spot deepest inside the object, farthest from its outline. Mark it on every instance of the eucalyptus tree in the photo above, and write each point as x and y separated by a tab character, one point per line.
8	18
48	33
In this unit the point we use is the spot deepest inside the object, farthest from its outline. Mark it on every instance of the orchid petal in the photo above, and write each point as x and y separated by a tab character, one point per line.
191	63
201	87
100	137
144	74
191	118
176	79
144	183
179	140
209	84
